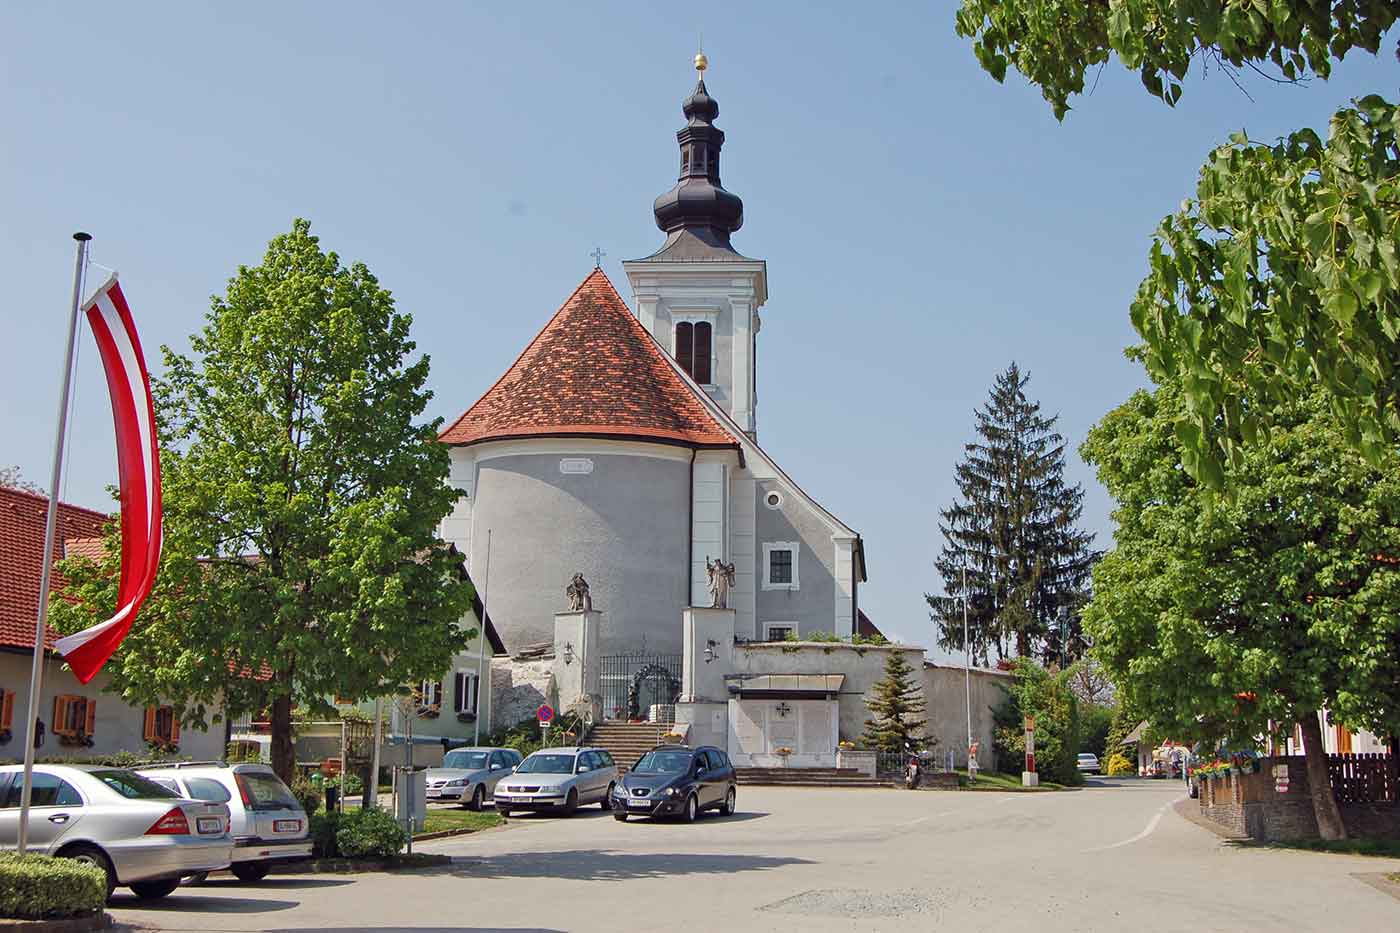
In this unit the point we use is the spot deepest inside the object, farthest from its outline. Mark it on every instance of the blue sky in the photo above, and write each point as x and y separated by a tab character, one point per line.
923	225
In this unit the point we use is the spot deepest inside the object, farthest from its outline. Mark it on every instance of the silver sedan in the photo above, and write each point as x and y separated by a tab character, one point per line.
142	835
559	779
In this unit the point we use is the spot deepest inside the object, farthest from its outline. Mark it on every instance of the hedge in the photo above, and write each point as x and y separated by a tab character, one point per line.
37	887
370	833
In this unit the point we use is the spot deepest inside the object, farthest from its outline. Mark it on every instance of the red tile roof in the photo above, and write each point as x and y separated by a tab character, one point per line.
592	371
22	517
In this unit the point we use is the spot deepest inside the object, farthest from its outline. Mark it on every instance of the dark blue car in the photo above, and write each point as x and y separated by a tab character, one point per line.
676	781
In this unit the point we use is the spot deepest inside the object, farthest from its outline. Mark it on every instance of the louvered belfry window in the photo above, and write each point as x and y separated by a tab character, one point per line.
693	350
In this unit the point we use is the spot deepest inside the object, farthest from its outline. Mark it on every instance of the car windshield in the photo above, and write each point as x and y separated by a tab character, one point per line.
547	764
663	763
133	786
469	761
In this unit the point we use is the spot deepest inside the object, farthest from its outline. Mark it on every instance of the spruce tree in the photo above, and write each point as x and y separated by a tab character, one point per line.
893	703
1015	530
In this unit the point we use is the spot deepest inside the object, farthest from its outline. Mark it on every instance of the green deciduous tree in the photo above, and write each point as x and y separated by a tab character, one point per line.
303	491
895	702
1015	531
1225	619
1055	43
1047	696
1283	272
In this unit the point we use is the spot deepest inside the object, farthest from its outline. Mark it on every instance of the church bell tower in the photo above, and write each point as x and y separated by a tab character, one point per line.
696	295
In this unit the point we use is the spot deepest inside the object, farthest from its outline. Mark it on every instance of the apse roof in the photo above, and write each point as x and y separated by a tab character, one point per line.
593	371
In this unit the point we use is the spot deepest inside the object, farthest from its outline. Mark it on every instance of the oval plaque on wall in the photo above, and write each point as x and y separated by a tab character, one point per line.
579	465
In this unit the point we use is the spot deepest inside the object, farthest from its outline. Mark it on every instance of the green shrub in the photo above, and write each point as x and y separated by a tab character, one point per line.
1046	696
306	793
323	829
349	784
34	887
1120	766
369	833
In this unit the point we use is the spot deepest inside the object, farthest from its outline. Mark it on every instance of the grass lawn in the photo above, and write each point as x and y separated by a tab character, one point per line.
1384	848
995	780
442	819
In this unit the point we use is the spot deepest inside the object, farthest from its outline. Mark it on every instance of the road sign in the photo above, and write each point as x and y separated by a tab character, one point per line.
545	713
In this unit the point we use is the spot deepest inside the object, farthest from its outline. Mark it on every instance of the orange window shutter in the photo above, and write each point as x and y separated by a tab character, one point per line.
59	726
91	716
7	709
174	728
148	732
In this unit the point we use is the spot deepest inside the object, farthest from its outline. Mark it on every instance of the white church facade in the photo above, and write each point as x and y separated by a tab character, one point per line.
622	445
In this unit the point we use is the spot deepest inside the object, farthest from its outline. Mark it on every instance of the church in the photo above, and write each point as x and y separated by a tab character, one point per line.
623	446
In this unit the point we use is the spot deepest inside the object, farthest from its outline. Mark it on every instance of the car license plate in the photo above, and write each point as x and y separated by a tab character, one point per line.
209	825
286	826
506	798
639	804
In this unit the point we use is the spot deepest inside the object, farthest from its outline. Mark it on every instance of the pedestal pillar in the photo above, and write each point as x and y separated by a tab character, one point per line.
577	670
707	654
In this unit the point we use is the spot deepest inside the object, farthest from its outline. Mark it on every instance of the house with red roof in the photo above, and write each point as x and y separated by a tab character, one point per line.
78	719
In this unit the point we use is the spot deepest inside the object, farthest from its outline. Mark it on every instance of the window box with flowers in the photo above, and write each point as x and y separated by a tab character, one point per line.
162	729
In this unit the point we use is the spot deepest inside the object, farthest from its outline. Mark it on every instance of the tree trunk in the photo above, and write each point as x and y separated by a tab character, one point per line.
283	750
1329	817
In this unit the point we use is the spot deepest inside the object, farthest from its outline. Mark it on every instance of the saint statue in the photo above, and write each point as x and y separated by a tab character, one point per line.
721	579
577	591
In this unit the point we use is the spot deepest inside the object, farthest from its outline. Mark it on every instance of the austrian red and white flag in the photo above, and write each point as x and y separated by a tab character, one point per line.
138	469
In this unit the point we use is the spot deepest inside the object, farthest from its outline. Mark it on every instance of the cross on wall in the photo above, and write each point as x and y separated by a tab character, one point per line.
782	709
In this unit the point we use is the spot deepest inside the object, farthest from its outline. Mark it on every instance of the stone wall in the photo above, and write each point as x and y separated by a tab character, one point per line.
1250	805
518	688
946	687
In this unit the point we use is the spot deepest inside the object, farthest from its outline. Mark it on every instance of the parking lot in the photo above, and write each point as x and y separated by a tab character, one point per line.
1114	855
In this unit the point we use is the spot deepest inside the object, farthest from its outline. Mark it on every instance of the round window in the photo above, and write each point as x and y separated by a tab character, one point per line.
773	500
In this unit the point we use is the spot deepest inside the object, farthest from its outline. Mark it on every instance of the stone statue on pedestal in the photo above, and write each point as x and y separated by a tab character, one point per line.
721	579
579	598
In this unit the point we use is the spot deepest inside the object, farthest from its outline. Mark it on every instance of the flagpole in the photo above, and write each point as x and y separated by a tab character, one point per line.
481	641
36	673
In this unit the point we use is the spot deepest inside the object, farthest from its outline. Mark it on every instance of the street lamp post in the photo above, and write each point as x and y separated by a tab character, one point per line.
967	678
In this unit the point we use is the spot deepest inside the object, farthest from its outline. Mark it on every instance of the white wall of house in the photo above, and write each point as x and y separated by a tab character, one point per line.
117	727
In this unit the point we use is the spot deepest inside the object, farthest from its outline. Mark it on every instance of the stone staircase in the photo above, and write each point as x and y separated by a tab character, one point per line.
626	741
807	777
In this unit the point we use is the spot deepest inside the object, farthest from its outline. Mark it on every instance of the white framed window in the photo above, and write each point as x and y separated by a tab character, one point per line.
429	697
779	631
780	565
466	693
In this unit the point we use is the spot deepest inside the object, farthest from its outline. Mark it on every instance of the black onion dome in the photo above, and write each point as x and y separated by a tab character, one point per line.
698	203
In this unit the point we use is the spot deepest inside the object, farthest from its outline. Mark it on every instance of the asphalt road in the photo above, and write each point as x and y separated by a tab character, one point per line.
1111	857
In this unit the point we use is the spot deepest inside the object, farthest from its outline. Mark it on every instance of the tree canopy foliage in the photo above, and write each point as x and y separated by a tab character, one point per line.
1015	530
1055	43
302	493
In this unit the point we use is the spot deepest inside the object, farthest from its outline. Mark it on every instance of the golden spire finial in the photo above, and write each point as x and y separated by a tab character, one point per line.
701	62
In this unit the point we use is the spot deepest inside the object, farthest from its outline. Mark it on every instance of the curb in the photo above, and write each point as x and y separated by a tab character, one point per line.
98	921
350	866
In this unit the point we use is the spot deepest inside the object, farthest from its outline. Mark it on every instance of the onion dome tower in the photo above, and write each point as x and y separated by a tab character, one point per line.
698	204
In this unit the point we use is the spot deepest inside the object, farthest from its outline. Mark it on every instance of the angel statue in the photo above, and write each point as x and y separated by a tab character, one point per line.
721	579
577	591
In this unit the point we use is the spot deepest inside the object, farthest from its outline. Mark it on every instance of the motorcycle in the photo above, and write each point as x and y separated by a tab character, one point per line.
914	770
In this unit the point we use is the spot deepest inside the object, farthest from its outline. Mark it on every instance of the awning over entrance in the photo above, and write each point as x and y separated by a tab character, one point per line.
785	686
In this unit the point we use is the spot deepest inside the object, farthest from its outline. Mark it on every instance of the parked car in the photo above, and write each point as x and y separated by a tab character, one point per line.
559	779
470	775
676	780
144	836
1088	762
267	823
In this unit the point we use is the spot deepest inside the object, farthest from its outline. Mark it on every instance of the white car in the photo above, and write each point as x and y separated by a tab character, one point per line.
470	775
1088	762
560	780
268	825
144	836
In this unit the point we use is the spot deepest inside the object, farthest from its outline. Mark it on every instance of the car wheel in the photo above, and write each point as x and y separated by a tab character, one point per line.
727	808
250	871
620	816
692	808
571	802
478	798
606	802
91	855
198	878
154	890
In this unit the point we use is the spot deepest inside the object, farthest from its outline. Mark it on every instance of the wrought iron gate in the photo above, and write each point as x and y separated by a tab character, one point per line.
634	682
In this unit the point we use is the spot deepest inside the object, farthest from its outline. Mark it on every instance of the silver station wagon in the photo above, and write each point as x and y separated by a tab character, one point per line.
141	834
559	780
